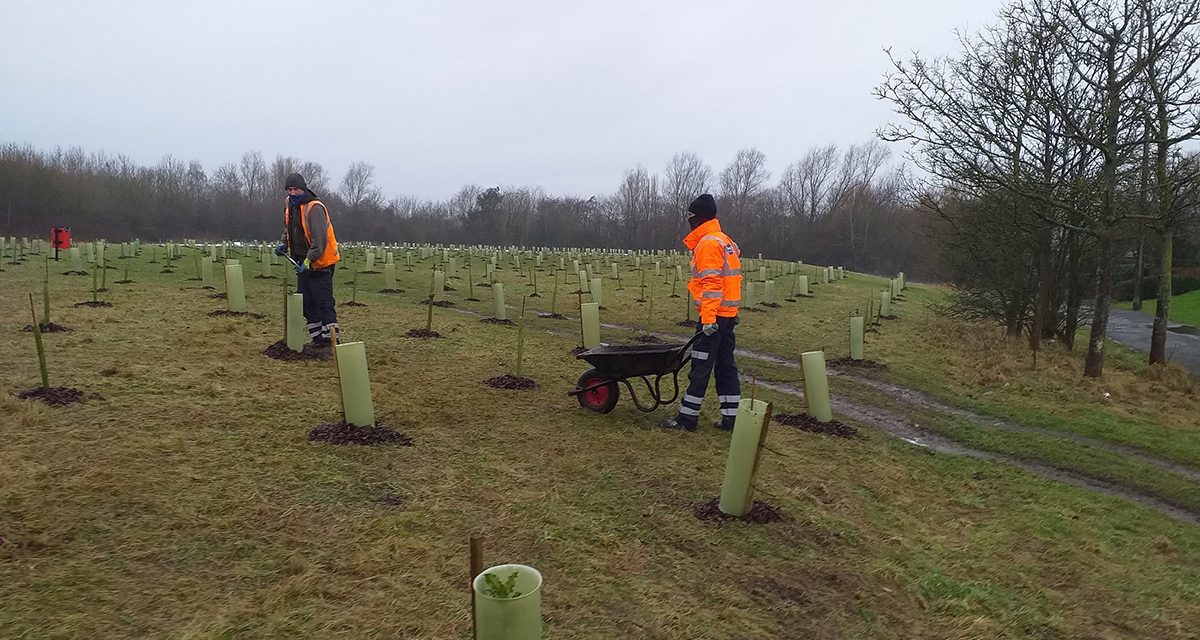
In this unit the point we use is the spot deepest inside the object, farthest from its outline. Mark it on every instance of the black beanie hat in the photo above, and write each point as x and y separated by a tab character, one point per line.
703	207
295	180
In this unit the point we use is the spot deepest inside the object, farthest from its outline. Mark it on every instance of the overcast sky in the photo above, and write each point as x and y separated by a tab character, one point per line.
563	94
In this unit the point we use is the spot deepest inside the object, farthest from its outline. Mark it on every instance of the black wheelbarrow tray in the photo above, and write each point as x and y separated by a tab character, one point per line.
598	390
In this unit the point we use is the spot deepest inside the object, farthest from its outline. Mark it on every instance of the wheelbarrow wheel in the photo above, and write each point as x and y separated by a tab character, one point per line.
601	399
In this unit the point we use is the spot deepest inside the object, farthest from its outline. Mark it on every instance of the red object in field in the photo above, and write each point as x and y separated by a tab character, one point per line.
60	238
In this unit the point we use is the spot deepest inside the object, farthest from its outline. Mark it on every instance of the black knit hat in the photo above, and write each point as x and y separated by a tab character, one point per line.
295	180
703	207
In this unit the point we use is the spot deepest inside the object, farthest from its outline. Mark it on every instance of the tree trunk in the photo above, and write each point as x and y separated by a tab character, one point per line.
1094	364
1158	337
1139	273
1074	290
1045	286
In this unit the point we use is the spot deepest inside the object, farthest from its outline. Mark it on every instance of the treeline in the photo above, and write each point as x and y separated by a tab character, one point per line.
837	207
1055	149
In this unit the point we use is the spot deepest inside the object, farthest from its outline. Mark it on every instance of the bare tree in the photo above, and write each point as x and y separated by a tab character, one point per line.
743	181
358	187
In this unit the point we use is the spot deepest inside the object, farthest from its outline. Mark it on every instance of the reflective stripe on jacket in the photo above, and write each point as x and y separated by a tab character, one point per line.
329	255
716	283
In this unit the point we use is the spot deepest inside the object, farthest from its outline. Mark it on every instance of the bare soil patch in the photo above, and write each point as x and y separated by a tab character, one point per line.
346	433
861	364
391	291
805	422
649	339
55	396
439	303
76	273
507	323
423	333
509	381
218	296
93	304
280	351
552	316
48	327
226	313
353	303
760	513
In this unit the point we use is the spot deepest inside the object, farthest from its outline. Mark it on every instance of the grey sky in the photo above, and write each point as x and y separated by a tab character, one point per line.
565	95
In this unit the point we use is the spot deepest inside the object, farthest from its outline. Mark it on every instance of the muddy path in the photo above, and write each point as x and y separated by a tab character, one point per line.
900	426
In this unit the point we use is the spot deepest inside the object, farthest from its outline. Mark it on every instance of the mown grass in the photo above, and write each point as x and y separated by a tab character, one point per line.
1185	309
189	504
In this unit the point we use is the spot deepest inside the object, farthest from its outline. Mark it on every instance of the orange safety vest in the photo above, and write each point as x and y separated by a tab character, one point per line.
716	283
330	255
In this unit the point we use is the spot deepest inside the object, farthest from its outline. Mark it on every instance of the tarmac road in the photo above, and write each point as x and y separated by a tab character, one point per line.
1132	329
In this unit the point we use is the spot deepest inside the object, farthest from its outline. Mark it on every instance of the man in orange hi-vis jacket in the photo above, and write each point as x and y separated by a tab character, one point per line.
308	239
716	288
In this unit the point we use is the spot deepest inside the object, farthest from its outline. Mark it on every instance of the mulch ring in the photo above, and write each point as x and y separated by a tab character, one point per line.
685	323
56	396
345	433
507	323
790	300
391	500
760	513
124	282
391	291
218	296
509	381
773	305
226	313
851	362
280	351
805	422
76	273
353	303
370	273
552	316
48	328
262	277
753	309
471	299
437	303
93	304
888	317
649	339
172	271
423	333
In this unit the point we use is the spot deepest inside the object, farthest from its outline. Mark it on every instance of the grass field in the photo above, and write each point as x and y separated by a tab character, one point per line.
188	502
1185	309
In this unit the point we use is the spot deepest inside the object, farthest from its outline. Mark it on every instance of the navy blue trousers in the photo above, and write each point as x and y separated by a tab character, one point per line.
712	355
319	312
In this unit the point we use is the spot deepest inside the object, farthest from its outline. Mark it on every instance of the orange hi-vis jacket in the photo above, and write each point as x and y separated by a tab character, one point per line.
716	283
330	255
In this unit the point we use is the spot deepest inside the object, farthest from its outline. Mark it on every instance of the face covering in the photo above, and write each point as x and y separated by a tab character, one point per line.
297	199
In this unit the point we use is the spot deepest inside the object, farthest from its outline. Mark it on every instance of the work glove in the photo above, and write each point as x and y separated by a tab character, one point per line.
281	250
303	266
709	328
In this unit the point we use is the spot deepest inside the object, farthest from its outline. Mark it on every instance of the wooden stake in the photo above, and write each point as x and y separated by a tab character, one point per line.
474	569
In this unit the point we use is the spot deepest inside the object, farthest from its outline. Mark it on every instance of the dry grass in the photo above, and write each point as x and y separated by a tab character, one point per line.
188	503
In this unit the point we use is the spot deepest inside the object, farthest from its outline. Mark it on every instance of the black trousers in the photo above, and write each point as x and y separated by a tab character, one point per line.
319	312
712	354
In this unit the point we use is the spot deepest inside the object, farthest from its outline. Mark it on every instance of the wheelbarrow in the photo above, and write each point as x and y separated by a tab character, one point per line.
613	365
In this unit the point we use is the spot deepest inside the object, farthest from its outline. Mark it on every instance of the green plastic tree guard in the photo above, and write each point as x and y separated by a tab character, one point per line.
91	252
370	261
498	301
614	271
589	312
518	618
816	385
389	275
296	335
583	281
206	271
439	284
235	288
769	292
825	275
903	281
748	296
745	450
802	286
856	338
76	263
762	274
885	303
597	293
357	407
266	264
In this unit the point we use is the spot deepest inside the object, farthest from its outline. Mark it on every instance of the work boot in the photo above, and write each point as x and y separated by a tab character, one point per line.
318	348
674	423
725	424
